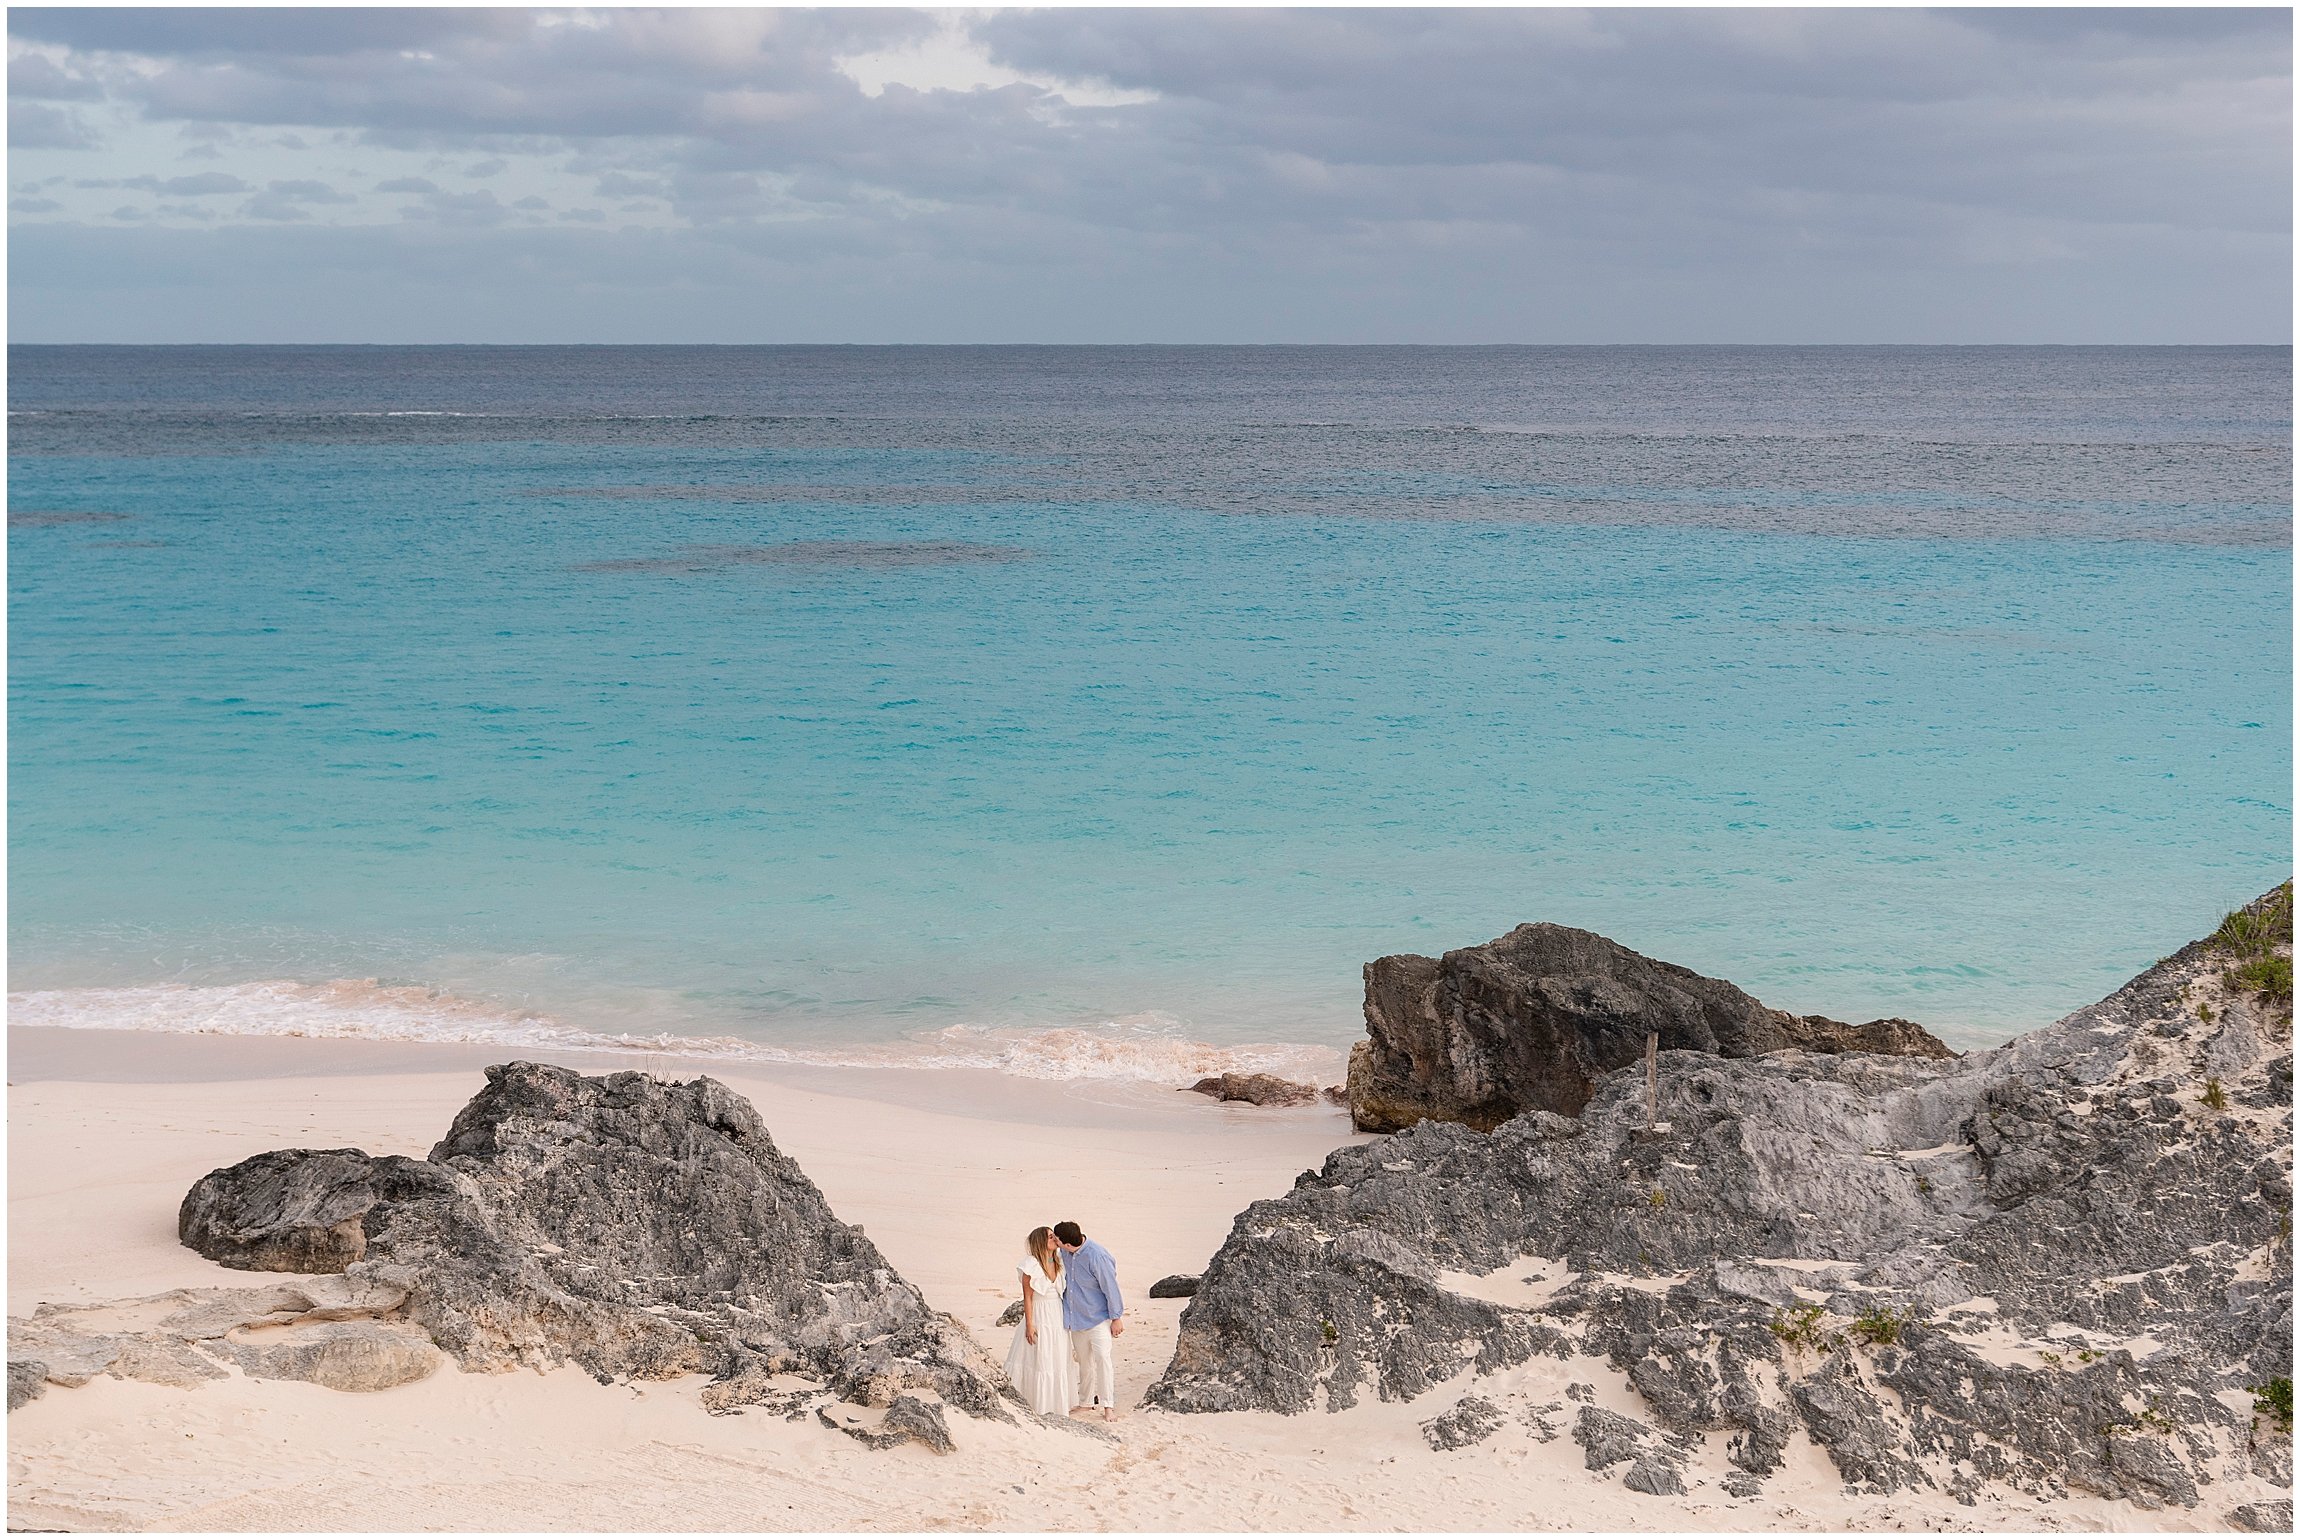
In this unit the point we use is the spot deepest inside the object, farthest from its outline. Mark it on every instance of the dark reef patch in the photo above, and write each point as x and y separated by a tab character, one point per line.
813	553
41	519
898	496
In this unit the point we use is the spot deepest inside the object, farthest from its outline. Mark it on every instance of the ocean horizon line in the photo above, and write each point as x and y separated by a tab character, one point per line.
1146	346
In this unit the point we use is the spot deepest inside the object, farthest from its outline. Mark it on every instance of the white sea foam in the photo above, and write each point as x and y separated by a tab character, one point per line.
1149	1048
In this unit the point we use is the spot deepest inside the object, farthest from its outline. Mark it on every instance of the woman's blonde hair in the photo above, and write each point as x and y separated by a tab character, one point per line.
1041	1244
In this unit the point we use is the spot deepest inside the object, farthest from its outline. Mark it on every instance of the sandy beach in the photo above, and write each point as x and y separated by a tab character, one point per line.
107	1130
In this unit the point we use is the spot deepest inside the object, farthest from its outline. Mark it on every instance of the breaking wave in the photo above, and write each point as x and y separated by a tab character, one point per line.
1149	1048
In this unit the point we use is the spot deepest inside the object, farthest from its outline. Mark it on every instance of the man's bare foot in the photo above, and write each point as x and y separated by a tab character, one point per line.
1110	1414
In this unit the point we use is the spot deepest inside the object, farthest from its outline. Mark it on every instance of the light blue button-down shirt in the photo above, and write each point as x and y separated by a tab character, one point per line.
1090	1295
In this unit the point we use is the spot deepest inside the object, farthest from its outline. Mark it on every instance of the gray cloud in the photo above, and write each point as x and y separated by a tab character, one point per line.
2046	117
38	126
34	77
227	32
439	75
1555	175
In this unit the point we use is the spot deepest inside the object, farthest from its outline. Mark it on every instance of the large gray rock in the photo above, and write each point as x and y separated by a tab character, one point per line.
1531	1021
634	1228
2053	1265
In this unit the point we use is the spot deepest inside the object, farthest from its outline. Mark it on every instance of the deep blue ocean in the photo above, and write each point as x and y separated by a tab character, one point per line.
849	700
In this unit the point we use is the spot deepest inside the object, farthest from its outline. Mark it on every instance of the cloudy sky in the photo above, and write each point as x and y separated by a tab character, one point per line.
1154	176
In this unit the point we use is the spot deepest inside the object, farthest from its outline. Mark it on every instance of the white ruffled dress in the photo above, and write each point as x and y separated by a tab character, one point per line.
1043	1371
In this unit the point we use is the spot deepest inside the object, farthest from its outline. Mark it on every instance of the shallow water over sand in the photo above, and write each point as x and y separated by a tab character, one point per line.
828	698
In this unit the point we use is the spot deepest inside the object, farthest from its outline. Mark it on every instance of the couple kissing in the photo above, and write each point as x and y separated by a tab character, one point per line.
1071	1308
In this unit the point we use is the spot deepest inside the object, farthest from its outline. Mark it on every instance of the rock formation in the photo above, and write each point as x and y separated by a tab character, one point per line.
1531	1022
2056	1264
634	1228
2273	1517
341	1332
1175	1286
1260	1090
908	1420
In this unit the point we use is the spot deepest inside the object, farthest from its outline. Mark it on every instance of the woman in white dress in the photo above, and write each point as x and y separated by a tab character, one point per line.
1039	1359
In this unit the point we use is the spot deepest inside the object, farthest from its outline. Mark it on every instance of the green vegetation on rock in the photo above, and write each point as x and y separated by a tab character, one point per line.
1799	1328
2274	1399
2259	936
1880	1327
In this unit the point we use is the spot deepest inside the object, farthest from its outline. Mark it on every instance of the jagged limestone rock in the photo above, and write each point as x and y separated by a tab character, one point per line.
919	1421
2268	1518
2052	1265
1607	1438
1657	1478
1258	1090
908	1420
1532	1020
632	1227
296	1211
1844	1418
1175	1286
1473	1420
2149	1473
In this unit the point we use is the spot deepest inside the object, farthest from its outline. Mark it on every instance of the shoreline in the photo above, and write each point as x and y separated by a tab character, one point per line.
87	1054
1148	1048
943	1169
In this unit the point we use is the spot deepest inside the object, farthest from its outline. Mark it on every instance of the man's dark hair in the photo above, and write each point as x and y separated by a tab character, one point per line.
1069	1234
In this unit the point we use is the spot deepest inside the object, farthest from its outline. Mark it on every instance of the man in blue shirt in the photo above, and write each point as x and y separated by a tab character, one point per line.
1093	1312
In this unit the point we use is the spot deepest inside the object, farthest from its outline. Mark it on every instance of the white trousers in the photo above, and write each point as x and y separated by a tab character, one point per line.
1097	1376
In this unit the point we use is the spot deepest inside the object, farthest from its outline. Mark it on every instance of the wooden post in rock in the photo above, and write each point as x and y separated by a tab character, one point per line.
1652	1079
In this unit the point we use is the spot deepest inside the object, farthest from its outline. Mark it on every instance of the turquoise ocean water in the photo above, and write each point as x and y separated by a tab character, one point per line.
1060	708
